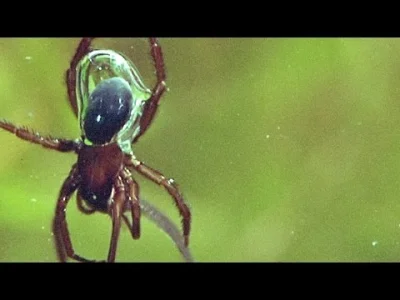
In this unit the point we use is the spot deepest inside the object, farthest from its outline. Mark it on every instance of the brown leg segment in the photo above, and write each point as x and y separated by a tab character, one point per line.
151	105
58	241
133	198
116	214
81	51
171	188
60	222
25	134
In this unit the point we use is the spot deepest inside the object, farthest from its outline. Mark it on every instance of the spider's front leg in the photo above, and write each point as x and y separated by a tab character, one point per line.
25	134
170	186
60	223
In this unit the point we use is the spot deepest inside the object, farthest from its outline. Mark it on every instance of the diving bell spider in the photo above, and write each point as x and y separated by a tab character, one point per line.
114	109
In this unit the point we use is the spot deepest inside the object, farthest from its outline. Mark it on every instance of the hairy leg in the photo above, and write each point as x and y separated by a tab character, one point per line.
151	104
49	142
170	186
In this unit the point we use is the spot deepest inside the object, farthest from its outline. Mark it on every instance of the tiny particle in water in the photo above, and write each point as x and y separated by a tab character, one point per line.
30	114
267	136
28	57
292	232
374	243
33	200
279	127
43	227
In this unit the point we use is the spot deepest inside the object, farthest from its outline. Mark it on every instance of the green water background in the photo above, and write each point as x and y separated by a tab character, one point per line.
286	149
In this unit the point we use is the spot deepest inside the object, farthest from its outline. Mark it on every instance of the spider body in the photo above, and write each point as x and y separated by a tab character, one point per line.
98	167
114	109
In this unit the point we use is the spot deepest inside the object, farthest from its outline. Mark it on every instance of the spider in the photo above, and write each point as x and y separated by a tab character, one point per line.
114	109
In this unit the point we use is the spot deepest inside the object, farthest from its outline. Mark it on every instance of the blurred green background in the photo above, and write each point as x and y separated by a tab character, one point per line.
285	149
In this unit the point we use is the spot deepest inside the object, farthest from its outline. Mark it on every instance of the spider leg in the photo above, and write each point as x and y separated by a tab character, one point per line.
26	134
133	198
172	189
81	51
164	223
117	206
60	222
59	244
151	105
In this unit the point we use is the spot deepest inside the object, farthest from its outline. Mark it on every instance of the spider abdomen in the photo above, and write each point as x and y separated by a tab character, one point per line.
98	167
108	109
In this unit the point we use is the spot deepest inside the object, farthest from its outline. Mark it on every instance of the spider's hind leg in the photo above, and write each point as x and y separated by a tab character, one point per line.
60	223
